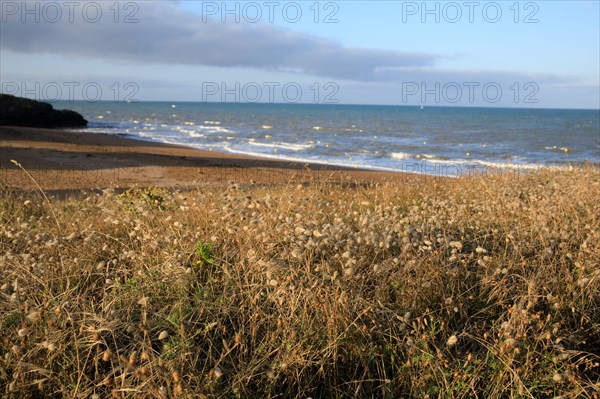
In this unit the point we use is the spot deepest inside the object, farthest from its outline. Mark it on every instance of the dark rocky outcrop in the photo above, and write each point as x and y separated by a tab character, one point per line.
17	111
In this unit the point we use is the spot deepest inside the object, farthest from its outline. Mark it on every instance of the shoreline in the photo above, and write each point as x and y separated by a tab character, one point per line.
65	160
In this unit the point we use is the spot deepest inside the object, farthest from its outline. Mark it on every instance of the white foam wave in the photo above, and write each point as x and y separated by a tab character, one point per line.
494	165
405	155
331	163
465	163
286	146
400	155
215	129
190	132
517	165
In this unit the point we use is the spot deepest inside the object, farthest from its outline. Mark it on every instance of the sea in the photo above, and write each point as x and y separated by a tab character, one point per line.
449	141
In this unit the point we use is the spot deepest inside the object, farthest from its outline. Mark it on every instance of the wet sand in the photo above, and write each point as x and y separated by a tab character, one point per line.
65	160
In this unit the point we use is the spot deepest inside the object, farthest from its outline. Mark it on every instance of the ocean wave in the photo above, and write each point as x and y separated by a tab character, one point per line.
353	130
496	165
214	129
333	163
466	163
190	132
286	146
427	156
517	165
555	148
405	155
348	151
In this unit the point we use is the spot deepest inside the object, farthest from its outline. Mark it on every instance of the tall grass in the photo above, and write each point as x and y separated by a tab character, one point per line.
484	287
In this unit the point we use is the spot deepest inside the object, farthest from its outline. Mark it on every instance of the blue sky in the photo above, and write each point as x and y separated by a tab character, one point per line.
506	53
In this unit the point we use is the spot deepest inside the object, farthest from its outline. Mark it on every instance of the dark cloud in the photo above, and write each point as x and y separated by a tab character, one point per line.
167	34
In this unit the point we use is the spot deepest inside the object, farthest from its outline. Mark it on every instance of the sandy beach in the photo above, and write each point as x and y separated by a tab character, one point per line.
61	160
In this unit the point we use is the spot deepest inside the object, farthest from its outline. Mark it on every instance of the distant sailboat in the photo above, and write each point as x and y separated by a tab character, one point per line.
421	107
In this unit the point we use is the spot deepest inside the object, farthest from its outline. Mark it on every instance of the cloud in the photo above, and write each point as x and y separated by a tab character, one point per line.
430	76
168	34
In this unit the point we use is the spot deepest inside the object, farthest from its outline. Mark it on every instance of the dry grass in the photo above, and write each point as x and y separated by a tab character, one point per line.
484	287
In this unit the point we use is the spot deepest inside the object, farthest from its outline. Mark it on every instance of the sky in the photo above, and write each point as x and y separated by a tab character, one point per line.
540	54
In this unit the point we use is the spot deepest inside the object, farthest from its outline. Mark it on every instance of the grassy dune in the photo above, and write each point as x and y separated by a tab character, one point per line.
486	287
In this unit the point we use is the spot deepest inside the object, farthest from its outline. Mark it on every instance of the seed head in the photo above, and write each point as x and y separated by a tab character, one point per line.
217	373
452	340
143	301
33	316
106	355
